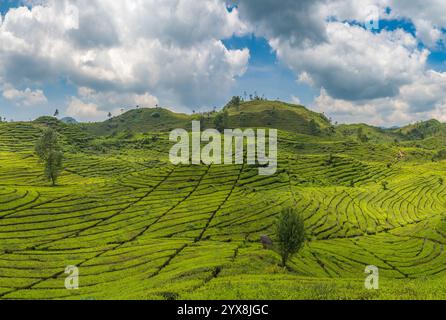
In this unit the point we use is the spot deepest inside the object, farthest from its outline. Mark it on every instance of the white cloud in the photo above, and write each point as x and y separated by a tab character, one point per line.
116	100
294	21
423	99
428	33
91	105
426	93
145	100
26	97
305	78
428	17
439	113
354	63
379	112
379	77
295	100
170	49
85	111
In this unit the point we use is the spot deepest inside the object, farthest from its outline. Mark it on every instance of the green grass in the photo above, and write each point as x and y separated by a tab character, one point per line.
140	228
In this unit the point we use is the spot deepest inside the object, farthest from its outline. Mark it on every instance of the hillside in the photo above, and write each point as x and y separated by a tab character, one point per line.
278	115
138	227
267	114
140	120
423	129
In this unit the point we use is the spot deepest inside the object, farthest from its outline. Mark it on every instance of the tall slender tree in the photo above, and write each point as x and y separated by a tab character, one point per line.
290	232
48	150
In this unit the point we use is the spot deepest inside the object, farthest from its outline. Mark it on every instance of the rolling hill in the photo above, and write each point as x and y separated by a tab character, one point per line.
265	114
138	227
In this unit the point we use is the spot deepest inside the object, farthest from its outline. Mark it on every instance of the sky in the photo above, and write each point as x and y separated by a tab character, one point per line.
381	62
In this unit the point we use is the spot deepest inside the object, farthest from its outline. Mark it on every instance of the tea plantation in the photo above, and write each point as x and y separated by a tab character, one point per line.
138	227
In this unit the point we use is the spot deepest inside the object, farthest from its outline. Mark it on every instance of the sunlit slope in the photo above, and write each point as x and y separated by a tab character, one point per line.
140	120
139	227
277	115
269	114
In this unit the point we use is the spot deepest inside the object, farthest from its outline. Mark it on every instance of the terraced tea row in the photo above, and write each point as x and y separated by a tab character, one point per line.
140	227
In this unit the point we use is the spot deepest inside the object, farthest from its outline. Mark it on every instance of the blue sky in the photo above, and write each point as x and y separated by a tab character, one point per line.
287	51
265	74
6	4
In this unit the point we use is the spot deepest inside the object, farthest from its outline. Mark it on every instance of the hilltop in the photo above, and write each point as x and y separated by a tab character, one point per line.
278	115
267	114
140	120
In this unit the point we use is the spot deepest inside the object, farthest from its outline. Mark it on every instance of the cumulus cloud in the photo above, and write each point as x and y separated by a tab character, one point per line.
294	21
295	99
85	111
379	112
114	100
170	49
145	100
356	64
361	11
25	97
428	17
426	93
380	76
423	99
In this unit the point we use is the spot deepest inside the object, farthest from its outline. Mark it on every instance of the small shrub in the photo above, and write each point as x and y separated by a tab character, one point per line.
170	296
440	155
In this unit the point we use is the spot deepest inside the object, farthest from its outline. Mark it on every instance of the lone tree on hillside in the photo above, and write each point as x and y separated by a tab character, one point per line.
48	150
235	101
56	113
221	121
314	127
290	232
